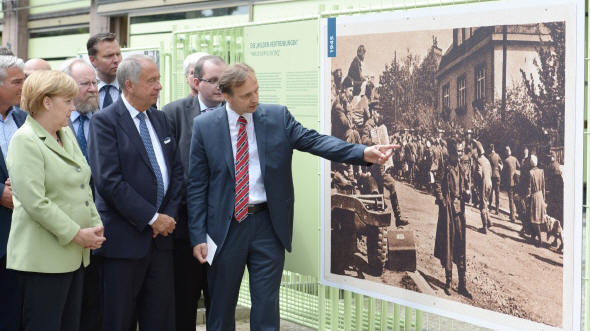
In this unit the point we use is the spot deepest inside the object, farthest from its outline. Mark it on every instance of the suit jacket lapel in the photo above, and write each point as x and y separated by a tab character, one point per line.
260	131
126	122
193	110
226	140
64	151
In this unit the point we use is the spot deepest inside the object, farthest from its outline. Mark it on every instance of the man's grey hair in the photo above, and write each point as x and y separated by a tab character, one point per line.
198	72
66	67
9	61
191	61
130	68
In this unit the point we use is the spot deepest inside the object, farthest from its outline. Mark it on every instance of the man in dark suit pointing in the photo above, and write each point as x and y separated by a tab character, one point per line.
240	193
138	180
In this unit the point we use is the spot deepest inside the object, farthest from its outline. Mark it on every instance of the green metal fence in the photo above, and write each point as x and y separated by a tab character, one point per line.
302	298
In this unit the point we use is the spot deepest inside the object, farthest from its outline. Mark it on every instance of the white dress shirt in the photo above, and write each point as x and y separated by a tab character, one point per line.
256	191
155	143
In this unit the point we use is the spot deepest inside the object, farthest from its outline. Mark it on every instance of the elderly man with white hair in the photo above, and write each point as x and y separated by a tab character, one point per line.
11	85
138	181
86	101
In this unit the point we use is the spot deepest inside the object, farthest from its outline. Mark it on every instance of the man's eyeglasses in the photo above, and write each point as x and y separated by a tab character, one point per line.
88	84
213	81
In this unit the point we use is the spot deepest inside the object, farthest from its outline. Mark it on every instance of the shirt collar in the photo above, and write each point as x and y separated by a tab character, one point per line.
203	105
114	83
132	111
75	115
232	116
8	114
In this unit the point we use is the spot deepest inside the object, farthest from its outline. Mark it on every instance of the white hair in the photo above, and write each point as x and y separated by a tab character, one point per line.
66	67
130	68
191	60
9	61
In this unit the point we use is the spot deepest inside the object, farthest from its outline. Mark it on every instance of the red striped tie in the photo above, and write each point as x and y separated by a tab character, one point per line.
242	176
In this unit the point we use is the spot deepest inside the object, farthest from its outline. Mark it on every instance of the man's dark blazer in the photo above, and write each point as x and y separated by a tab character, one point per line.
180	114
125	182
5	213
211	184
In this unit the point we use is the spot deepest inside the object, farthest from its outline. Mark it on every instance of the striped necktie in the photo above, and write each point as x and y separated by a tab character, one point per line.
242	175
107	96
81	137
149	148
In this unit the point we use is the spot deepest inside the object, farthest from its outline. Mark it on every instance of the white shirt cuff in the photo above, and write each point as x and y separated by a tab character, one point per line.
153	219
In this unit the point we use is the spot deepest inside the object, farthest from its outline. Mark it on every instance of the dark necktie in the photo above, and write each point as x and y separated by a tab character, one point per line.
242	175
80	135
107	96
147	142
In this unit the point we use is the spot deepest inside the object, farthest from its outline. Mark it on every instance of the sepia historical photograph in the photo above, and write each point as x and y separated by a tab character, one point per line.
470	208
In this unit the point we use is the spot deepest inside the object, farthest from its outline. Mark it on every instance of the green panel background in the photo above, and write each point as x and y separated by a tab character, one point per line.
281	72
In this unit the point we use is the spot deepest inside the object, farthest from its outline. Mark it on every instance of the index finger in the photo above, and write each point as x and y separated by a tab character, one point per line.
386	147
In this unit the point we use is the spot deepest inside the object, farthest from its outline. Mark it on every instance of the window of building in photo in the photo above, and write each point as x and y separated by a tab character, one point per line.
480	82
461	92
446	96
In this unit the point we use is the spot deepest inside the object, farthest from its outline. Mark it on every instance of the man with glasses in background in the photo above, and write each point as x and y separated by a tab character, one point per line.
189	275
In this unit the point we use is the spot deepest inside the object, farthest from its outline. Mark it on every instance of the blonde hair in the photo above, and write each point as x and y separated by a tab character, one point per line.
46	83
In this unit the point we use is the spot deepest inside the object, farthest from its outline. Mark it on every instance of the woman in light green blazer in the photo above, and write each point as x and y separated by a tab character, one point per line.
55	222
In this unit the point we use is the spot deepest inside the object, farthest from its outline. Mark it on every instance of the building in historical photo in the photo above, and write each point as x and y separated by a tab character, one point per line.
483	63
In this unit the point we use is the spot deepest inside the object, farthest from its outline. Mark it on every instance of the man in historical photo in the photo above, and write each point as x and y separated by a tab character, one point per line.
483	184
452	191
355	71
511	165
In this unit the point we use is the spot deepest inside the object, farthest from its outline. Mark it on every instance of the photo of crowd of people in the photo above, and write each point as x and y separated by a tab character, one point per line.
476	179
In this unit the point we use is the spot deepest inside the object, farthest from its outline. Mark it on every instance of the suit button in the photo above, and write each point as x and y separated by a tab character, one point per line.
81	185
87	203
78	169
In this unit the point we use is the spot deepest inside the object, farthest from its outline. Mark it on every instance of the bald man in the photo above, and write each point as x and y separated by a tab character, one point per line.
34	65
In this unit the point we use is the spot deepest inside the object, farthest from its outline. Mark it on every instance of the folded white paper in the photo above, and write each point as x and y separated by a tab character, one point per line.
211	248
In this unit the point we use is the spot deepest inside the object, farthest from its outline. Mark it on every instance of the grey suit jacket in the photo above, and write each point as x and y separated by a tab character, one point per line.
180	115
